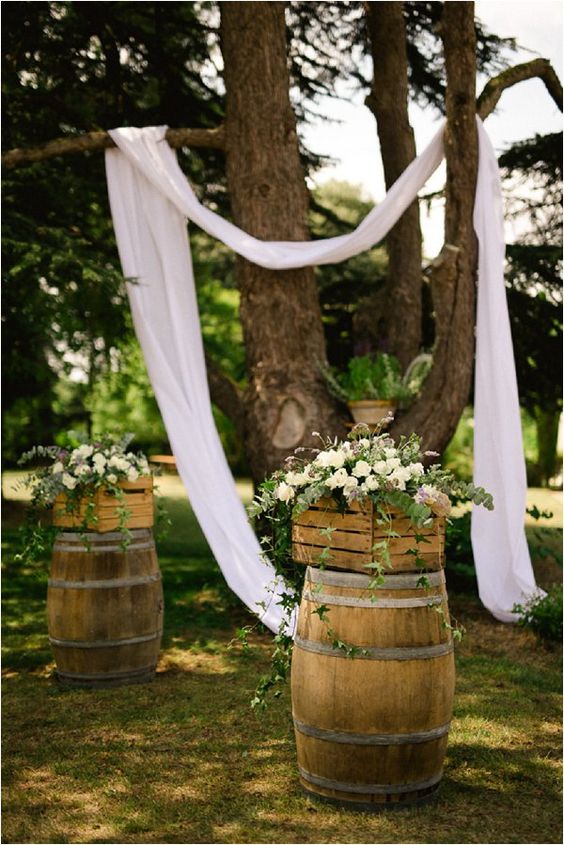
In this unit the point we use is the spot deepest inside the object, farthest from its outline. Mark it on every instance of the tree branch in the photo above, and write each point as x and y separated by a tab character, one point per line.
226	394
493	89
95	141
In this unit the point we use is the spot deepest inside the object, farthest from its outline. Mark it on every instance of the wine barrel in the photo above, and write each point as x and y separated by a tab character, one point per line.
371	726
105	608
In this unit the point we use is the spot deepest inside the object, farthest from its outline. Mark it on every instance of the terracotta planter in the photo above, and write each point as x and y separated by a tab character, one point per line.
372	724
103	514
371	411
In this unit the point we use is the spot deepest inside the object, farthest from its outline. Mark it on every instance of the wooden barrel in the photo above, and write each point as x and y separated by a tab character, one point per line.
105	608
371	728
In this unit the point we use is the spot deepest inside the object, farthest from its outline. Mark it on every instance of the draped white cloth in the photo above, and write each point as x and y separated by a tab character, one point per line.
150	200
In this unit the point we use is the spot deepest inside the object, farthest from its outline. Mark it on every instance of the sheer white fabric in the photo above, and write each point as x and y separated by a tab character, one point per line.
150	199
501	554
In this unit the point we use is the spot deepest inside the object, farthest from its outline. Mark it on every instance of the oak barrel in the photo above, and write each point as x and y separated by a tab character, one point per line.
371	728
105	608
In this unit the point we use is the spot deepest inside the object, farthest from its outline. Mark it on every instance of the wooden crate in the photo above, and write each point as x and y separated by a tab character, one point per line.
138	501
356	535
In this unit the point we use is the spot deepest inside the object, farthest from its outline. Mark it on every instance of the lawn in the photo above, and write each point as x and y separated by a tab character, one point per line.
184	759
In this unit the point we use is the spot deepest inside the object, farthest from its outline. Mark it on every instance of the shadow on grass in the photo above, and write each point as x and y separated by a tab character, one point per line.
183	760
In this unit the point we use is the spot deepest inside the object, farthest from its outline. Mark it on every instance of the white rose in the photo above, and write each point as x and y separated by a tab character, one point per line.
57	467
99	461
84	451
118	462
393	464
370	484
338	479
296	479
381	467
132	474
399	477
83	469
69	482
416	469
350	485
112	478
337	458
323	459
362	469
284	492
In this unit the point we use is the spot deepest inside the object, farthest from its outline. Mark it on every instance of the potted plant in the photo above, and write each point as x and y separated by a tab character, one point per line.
367	518
373	388
104	598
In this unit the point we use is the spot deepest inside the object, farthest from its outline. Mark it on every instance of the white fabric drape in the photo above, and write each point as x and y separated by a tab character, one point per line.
150	200
501	553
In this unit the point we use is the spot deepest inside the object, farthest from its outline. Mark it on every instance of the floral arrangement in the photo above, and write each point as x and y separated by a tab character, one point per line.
102	463
77	473
367	467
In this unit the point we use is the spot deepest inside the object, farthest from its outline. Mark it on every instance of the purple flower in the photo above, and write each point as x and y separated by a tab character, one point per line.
421	496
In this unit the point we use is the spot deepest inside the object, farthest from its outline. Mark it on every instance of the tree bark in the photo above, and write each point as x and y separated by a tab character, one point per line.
96	141
286	397
436	414
494	88
388	101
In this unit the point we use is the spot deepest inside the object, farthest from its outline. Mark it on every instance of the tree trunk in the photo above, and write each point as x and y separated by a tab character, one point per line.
388	102
547	424
286	398
436	414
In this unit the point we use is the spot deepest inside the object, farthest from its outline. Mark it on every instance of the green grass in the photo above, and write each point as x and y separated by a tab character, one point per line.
184	759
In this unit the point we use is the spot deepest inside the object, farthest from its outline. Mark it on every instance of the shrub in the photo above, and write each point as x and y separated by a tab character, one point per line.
543	615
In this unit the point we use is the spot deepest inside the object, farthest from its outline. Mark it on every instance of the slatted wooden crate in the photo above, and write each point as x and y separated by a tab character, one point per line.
354	541
138	500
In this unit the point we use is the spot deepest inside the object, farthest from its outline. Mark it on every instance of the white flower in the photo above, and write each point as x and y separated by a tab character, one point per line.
69	482
99	461
337	459
338	479
350	485
284	492
57	467
332	458
370	484
132	474
399	477
297	479
112	478
119	462
416	469
84	451
381	467
392	463
323	459
83	469
362	468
